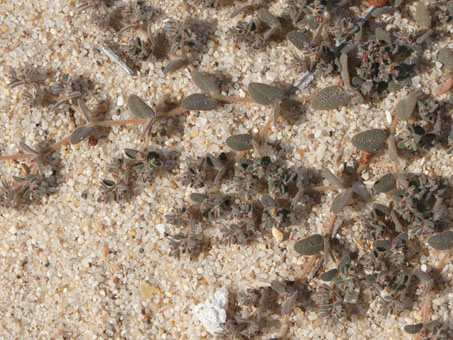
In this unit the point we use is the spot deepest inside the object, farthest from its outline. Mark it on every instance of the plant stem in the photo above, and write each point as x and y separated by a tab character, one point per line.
308	266
119	122
233	99
57	144
174	112
17	156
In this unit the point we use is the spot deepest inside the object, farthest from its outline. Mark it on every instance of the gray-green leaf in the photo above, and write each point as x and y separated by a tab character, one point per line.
199	101
413	329
334	180
265	94
268	202
139	108
173	65
422	15
445	56
81	133
310	245
330	98
442	241
406	106
239	142
370	141
299	39
269	18
205	83
340	201
385	183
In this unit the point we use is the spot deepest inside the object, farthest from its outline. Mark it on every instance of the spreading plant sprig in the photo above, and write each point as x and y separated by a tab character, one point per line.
267	196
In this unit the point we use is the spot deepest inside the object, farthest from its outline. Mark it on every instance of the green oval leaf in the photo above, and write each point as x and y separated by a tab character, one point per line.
270	19
173	65
445	56
330	98
370	141
81	133
413	329
310	245
199	102
334	180
204	83
265	94
422	15
239	142
268	202
139	108
328	275
406	106
442	241
299	39
385	183
340	201
197	197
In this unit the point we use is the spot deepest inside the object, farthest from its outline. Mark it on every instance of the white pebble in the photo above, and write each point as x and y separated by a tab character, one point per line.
120	101
271	75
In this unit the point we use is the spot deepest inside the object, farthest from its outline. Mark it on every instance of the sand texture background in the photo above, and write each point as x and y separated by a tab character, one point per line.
73	268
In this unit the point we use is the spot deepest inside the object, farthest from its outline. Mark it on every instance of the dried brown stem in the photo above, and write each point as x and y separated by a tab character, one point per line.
232	99
307	267
17	156
119	122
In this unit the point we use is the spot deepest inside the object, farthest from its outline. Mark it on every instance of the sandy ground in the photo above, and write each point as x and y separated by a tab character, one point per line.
72	268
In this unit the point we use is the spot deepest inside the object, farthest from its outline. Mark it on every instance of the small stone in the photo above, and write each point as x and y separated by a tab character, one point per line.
212	313
120	101
278	235
146	290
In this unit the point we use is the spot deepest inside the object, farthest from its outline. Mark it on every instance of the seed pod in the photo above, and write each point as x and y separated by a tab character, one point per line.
310	245
442	241
422	15
81	133
330	98
205	83
264	94
198	101
139	108
370	141
385	183
445	56
340	201
406	106
239	142
299	39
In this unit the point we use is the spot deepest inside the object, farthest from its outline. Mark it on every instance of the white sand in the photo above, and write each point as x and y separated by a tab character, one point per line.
90	287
